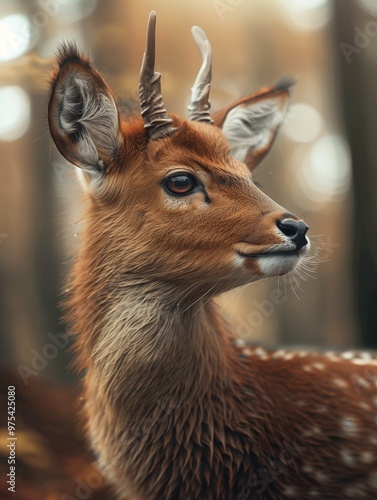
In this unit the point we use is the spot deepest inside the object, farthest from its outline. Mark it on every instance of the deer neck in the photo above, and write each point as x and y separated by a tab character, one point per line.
159	376
152	350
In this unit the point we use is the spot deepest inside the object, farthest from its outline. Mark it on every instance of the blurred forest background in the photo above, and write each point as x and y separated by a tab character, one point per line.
323	165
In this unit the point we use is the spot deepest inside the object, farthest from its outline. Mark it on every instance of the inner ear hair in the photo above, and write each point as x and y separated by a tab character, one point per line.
251	124
83	115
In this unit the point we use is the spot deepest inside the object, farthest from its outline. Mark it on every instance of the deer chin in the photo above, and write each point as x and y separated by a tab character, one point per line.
278	260
278	264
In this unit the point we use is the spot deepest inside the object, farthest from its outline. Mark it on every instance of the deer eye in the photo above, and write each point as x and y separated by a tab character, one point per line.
180	183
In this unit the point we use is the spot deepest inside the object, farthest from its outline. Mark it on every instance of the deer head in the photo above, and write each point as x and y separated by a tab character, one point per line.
174	199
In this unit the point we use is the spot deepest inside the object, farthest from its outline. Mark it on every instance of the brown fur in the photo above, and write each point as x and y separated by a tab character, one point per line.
176	409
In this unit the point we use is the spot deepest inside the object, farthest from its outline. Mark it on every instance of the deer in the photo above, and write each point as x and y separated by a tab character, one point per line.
175	406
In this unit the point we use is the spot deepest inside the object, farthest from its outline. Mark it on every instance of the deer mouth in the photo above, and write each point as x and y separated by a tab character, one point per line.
277	260
279	253
285	250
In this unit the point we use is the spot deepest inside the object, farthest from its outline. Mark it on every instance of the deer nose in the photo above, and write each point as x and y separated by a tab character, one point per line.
295	230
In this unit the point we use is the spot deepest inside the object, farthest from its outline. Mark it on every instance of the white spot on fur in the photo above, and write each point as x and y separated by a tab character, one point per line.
367	457
289	356
320	476
279	354
339	382
373	440
290	491
365	406
348	355
347	457
319	366
302	354
314	431
366	355
261	353
364	361
349	425
331	356
360	381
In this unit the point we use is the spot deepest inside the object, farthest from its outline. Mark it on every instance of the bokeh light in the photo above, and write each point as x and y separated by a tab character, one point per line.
326	170
308	14
15	113
15	36
369	5
72	11
304	123
304	5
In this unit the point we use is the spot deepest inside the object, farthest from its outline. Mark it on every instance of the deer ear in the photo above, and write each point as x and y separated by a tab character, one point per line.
251	124
82	114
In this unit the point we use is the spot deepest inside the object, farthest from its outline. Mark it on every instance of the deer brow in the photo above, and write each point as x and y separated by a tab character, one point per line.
226	179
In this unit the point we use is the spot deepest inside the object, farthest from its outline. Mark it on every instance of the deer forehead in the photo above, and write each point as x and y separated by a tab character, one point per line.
204	149
193	142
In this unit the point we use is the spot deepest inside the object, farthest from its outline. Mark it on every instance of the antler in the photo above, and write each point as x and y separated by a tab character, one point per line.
200	105
156	121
